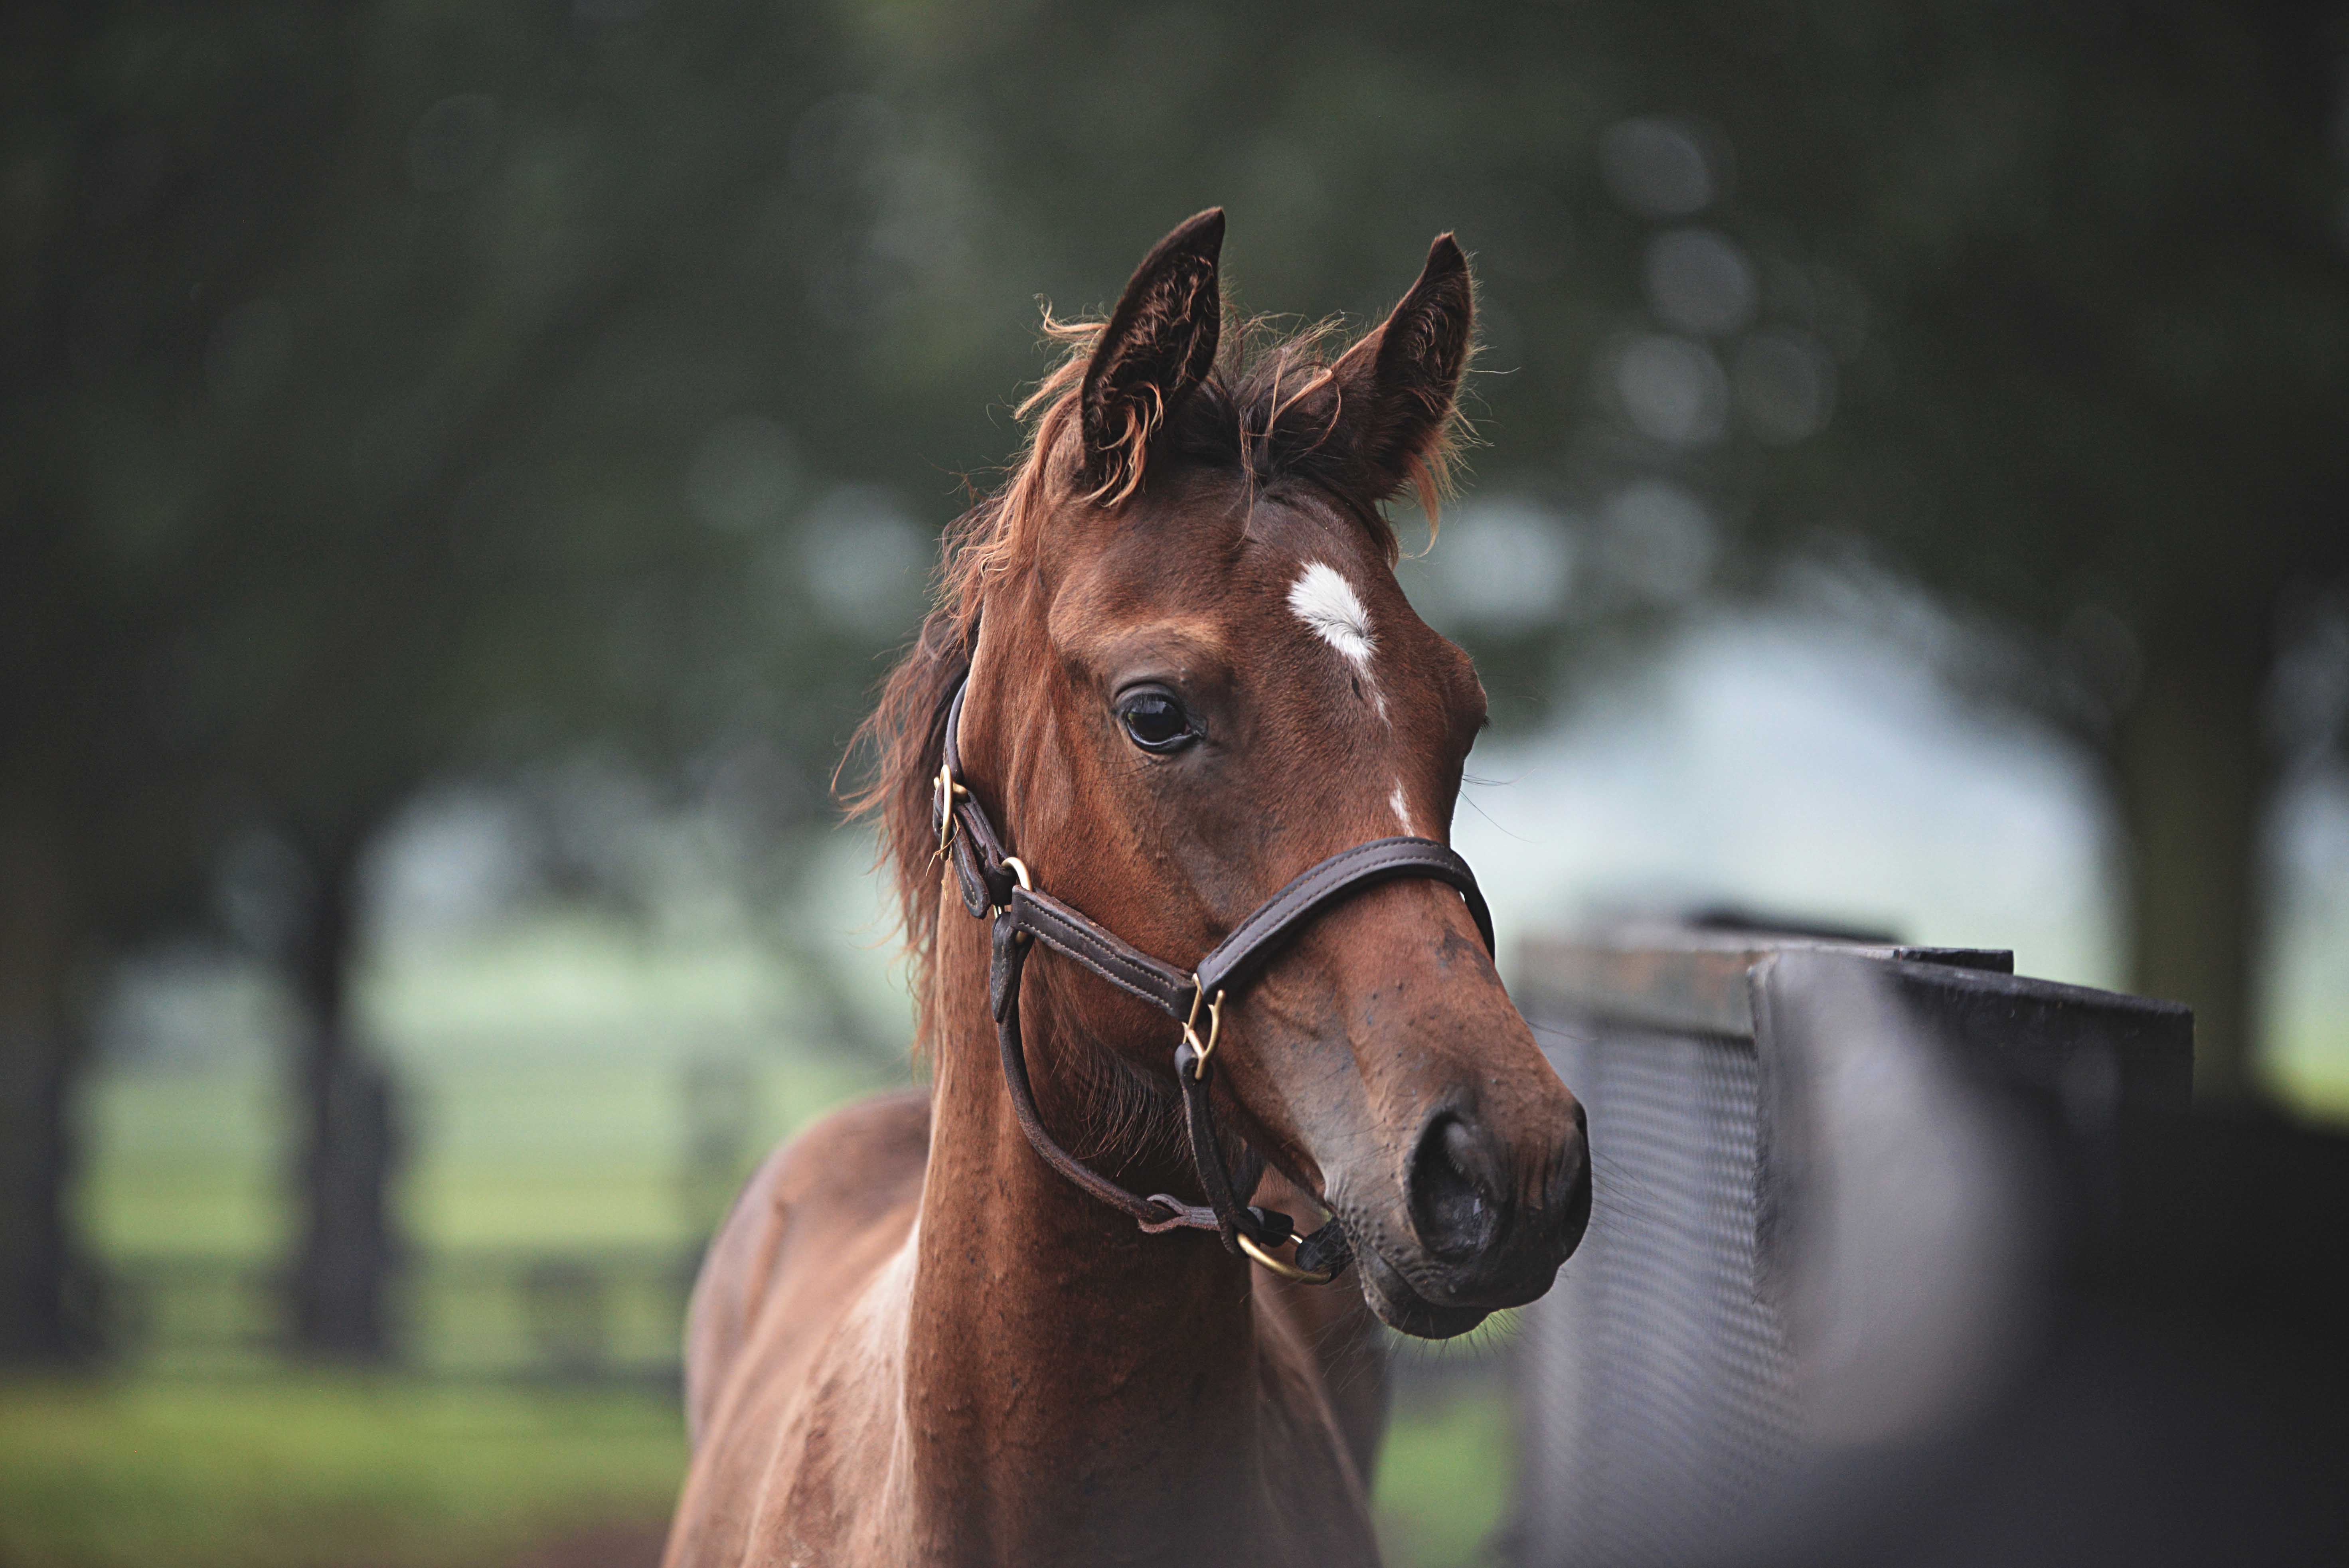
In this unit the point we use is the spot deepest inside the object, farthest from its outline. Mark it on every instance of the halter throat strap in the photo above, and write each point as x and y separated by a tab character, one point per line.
994	883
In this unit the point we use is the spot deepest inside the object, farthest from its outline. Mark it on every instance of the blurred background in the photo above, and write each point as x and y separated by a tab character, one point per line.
464	468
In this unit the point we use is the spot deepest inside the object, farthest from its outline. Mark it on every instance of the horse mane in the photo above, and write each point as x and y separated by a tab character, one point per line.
1238	419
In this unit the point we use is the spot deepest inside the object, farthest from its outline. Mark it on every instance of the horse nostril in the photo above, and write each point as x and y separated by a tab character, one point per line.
1454	1202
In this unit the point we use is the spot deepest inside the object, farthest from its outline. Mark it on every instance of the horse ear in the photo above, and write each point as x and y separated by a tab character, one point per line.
1398	385
1160	343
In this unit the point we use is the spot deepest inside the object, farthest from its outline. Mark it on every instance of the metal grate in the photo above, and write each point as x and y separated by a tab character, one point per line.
1892	1145
1661	1404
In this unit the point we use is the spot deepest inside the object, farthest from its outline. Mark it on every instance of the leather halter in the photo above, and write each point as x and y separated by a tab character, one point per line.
993	882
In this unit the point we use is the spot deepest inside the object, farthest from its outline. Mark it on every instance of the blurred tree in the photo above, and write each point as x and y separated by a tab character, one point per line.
2108	406
394	390
2046	309
2104	404
387	393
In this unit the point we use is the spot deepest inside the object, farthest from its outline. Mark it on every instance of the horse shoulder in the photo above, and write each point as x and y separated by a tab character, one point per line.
809	1237
842	1175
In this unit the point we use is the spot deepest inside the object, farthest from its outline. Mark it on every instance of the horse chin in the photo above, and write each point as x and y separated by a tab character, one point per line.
1403	1309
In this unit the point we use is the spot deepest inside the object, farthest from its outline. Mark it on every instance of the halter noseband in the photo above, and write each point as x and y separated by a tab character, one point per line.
994	883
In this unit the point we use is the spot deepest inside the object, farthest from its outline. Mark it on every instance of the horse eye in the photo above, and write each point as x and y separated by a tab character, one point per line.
1154	720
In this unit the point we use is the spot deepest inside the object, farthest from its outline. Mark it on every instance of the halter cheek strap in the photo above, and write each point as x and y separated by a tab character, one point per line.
994	883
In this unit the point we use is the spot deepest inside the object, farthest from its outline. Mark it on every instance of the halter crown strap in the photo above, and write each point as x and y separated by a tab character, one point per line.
992	881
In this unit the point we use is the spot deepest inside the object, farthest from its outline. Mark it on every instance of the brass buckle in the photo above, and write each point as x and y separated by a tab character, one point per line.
948	790
1200	1053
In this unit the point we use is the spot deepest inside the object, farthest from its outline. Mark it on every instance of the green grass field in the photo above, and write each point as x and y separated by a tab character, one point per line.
320	1472
550	1074
398	1472
294	1472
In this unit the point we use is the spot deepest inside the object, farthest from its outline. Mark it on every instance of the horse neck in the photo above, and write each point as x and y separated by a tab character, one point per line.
1067	1375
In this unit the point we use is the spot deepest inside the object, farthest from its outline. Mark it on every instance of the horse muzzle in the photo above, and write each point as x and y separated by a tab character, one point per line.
1488	1221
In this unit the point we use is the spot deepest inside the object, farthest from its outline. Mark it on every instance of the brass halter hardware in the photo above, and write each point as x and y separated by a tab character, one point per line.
1286	1270
1200	1053
948	790
1018	867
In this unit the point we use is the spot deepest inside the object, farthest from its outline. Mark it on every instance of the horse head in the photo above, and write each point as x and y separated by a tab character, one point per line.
1191	675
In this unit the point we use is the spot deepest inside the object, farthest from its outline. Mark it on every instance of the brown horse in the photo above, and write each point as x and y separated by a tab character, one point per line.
1187	674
